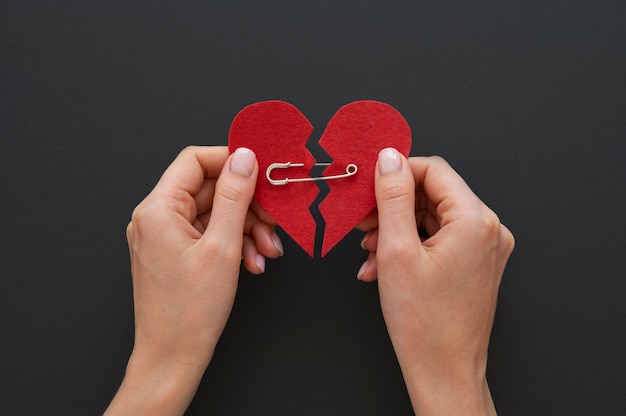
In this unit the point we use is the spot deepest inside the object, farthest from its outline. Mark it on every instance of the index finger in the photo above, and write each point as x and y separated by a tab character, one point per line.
189	170
448	193
183	180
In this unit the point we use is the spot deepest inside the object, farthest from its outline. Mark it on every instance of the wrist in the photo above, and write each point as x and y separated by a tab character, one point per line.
157	385
448	391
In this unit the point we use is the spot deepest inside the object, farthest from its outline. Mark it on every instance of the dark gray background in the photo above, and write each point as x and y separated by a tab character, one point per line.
526	99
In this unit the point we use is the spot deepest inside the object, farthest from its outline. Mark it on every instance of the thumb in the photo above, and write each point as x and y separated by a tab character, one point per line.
395	198
233	193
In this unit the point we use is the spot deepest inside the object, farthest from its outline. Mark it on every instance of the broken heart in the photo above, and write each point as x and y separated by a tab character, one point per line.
278	132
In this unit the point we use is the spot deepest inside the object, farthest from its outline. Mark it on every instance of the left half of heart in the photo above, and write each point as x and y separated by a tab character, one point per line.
278	133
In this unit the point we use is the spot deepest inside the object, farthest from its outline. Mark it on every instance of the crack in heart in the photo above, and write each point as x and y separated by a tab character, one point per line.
278	133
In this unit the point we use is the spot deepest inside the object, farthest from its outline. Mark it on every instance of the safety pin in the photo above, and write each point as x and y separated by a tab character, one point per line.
351	170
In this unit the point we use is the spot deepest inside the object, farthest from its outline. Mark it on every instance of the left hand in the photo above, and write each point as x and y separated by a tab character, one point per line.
186	242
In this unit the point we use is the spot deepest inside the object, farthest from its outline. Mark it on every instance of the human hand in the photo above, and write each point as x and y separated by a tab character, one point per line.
186	242
438	292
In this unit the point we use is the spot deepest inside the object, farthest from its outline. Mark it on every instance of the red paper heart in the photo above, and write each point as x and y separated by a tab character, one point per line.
277	132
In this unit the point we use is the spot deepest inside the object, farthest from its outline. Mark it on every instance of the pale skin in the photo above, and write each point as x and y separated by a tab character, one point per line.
438	295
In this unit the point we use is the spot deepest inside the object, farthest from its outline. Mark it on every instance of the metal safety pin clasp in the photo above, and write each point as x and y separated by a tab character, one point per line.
351	170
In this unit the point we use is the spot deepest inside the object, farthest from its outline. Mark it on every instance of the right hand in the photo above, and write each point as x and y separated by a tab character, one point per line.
438	291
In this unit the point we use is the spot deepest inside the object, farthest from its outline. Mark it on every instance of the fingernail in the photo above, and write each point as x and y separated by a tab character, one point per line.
260	262
277	243
389	161
367	237
242	162
361	272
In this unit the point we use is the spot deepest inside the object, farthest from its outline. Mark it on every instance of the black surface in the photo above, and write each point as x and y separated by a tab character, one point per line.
526	99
